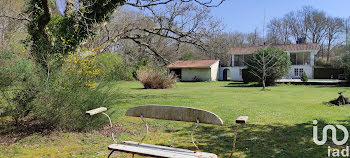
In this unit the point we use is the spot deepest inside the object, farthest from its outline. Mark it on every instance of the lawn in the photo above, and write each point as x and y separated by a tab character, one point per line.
279	125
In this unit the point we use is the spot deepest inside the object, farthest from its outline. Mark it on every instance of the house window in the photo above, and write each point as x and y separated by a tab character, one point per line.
301	71
306	58
238	60
298	72
300	58
293	58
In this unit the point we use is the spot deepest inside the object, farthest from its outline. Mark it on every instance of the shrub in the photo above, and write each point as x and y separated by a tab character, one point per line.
327	73
72	90
65	107
345	63
248	77
304	77
153	78
113	68
18	84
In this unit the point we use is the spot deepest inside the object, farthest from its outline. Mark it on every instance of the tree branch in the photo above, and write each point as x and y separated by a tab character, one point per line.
15	18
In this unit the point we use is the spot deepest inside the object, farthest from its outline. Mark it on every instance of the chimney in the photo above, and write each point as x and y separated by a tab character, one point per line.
301	40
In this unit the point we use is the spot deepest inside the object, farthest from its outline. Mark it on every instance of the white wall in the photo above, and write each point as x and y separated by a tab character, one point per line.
214	71
235	74
309	70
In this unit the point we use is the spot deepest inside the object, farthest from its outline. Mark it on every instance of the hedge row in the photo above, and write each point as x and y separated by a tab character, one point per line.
327	73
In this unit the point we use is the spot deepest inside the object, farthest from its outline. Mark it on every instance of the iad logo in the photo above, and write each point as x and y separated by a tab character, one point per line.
332	152
334	134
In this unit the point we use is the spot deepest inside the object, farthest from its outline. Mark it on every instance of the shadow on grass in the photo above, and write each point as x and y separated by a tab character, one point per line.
242	84
11	134
333	86
262	140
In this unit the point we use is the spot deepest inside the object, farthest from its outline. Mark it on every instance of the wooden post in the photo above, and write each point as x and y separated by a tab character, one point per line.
240	120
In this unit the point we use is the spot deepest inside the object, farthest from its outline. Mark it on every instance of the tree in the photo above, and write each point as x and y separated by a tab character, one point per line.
12	24
345	62
278	31
52	34
316	23
254	39
268	64
334	27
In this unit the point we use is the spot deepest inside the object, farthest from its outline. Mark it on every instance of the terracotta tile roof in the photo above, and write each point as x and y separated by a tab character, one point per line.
192	64
285	47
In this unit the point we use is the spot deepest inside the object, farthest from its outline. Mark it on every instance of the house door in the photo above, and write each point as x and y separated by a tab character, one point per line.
177	72
226	75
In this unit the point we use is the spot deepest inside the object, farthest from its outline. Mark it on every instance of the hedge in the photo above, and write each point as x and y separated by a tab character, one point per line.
248	77
327	73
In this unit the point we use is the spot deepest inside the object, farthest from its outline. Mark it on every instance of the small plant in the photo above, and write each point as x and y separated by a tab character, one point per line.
153	78
304	77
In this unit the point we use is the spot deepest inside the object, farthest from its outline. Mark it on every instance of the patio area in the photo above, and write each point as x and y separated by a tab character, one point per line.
313	81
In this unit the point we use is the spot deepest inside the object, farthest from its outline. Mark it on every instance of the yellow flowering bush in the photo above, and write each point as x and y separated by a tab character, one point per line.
74	88
83	67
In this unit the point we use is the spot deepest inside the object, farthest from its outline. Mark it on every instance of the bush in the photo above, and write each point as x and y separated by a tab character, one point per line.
248	77
58	96
327	73
304	77
345	63
113	68
18	84
153	78
268	65
65	107
72	90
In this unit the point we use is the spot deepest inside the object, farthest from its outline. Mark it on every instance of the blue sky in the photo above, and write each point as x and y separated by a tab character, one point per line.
246	15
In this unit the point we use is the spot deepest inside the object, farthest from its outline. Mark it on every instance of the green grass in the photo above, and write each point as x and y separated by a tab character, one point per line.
279	125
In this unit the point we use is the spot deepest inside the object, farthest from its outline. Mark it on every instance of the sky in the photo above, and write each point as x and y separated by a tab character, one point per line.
246	15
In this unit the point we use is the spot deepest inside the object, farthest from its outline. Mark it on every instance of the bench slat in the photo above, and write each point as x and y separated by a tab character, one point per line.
157	151
174	113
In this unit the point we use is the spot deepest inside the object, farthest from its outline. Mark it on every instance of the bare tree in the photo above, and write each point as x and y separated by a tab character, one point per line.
316	22
163	30
335	26
254	38
278	31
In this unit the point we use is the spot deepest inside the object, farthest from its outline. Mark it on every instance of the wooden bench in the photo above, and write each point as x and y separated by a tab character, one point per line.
174	113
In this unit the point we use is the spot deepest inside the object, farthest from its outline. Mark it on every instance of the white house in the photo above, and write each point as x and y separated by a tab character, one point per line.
302	57
195	70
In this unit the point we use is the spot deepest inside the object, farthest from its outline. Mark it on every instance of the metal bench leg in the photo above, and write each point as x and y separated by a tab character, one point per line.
110	153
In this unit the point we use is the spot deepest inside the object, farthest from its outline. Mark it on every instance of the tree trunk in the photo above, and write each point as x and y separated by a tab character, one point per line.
263	82
328	50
